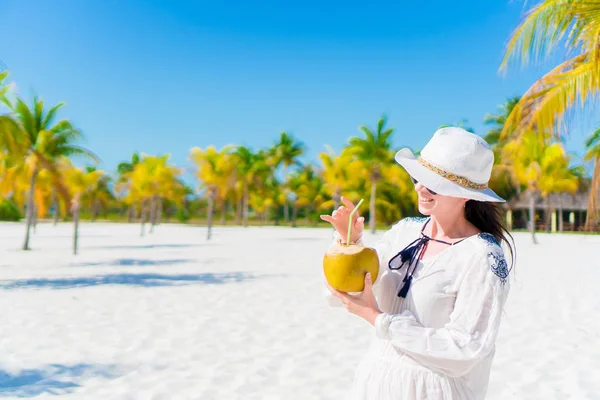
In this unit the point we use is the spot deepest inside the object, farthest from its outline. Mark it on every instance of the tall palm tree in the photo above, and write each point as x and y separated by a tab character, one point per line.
214	171
307	186
374	152
124	168
503	179
547	26
339	172
557	176
151	179
497	122
80	184
99	194
285	153
35	141
592	154
541	166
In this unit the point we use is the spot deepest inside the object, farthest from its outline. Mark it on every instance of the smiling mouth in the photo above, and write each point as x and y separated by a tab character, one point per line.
425	200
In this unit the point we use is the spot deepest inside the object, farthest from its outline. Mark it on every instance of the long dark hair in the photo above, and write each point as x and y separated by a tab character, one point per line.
488	218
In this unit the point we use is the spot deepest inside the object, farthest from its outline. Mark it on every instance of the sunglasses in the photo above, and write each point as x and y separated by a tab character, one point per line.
429	190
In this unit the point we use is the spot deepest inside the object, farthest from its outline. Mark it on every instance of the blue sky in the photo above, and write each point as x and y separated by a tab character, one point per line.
164	76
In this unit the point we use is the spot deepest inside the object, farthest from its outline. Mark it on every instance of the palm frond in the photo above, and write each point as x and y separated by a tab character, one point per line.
542	29
544	105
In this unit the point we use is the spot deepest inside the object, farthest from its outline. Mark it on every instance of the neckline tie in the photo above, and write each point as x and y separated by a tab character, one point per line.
411	254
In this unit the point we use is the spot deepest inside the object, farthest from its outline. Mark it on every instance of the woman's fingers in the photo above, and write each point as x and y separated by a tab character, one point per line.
360	223
348	203
327	218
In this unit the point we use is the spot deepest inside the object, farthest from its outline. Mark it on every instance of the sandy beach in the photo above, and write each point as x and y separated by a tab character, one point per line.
171	316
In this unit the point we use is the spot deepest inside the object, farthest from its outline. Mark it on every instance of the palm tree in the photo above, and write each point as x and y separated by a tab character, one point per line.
396	196
99	194
497	122
122	169
214	171
307	186
548	25
592	154
374	152
541	166
339	172
151	180
252	171
4	88
285	153
557	176
503	179
35	142
81	183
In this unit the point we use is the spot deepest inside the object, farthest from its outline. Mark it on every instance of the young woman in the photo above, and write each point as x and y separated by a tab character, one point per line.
443	280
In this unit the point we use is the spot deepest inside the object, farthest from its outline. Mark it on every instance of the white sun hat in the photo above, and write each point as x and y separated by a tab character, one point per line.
454	163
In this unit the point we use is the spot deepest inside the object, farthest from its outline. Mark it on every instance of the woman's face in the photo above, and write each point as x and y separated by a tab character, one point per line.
434	204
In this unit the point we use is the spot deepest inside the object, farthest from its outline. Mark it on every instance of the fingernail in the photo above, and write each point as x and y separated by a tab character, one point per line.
368	275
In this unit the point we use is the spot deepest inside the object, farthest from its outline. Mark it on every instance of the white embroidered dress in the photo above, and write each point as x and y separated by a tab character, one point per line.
439	342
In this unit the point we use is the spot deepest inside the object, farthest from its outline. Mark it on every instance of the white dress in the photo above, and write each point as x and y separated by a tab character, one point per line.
438	343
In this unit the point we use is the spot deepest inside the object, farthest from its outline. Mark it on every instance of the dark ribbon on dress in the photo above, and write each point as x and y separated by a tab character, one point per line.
411	254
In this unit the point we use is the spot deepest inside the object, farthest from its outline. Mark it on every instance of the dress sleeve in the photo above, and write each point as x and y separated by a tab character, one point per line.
471	331
383	247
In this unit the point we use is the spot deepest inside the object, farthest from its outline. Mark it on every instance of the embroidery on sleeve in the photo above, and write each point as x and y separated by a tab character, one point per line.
420	220
489	239
499	266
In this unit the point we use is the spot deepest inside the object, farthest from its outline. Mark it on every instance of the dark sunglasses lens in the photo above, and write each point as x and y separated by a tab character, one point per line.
414	181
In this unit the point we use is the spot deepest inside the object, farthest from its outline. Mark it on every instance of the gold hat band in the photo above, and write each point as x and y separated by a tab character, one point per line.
459	180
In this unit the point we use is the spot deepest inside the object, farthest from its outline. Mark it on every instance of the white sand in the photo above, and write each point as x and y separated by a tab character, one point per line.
170	316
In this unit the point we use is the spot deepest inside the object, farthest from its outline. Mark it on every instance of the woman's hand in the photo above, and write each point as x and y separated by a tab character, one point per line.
339	220
363	304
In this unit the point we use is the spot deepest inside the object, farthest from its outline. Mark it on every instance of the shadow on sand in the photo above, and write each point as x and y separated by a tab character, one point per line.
55	379
143	280
144	246
134	262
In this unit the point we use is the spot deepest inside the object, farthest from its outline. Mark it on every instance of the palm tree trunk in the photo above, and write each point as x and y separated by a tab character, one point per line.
56	207
159	210
560	214
286	209
294	213
224	212
238	209
76	208
211	203
143	216
95	209
592	207
372	205
35	217
245	205
547	214
277	214
336	199
532	217
152	213
30	206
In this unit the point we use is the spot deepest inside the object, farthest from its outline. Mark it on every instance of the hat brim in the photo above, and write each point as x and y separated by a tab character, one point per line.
438	184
